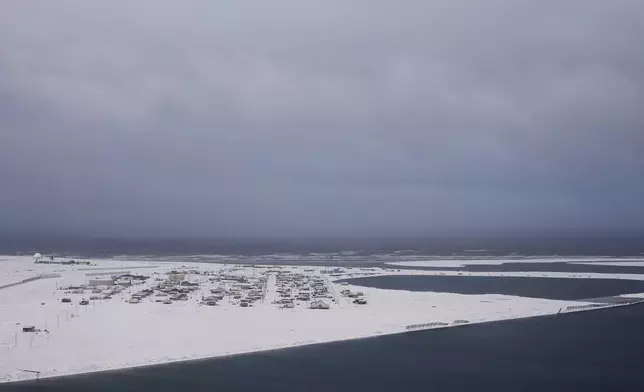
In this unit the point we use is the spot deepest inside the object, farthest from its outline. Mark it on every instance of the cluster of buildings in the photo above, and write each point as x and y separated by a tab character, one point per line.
241	286
294	287
232	285
123	280
333	271
140	295
101	288
240	289
357	297
173	288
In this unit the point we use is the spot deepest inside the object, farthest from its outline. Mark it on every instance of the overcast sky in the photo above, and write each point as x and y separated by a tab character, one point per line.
292	117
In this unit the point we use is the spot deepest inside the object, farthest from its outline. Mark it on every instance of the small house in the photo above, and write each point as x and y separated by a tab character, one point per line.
319	304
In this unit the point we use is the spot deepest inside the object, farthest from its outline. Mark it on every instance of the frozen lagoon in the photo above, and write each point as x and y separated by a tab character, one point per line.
113	334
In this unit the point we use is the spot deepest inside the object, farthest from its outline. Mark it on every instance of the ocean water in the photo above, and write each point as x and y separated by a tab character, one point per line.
566	245
550	288
527	266
596	351
591	351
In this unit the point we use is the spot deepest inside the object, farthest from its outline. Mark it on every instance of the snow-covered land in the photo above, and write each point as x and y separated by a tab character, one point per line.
173	311
462	262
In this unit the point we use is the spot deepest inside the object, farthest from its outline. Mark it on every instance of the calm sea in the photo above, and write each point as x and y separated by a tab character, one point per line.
550	288
591	351
568	245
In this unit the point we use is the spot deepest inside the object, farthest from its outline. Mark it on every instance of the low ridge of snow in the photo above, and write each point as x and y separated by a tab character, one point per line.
615	263
462	262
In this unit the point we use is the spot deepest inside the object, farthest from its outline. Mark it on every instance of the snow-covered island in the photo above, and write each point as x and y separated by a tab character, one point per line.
66	318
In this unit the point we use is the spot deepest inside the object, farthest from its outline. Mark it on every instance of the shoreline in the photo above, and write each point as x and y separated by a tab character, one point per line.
250	352
104	340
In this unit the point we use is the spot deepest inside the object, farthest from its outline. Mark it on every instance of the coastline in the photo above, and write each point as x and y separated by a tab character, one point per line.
384	316
250	352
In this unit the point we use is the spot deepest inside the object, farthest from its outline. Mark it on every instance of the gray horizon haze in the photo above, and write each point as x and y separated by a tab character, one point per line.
285	117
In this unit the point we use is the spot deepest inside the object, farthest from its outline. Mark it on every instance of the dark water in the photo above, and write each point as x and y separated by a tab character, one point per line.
549	288
539	267
595	351
563	245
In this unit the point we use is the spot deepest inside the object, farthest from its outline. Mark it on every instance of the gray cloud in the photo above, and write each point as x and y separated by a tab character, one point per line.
290	117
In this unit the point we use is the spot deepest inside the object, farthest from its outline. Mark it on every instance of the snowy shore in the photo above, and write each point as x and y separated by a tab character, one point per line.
113	334
462	262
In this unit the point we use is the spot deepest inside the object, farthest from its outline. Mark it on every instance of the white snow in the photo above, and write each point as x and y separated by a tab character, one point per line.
462	262
113	334
637	295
